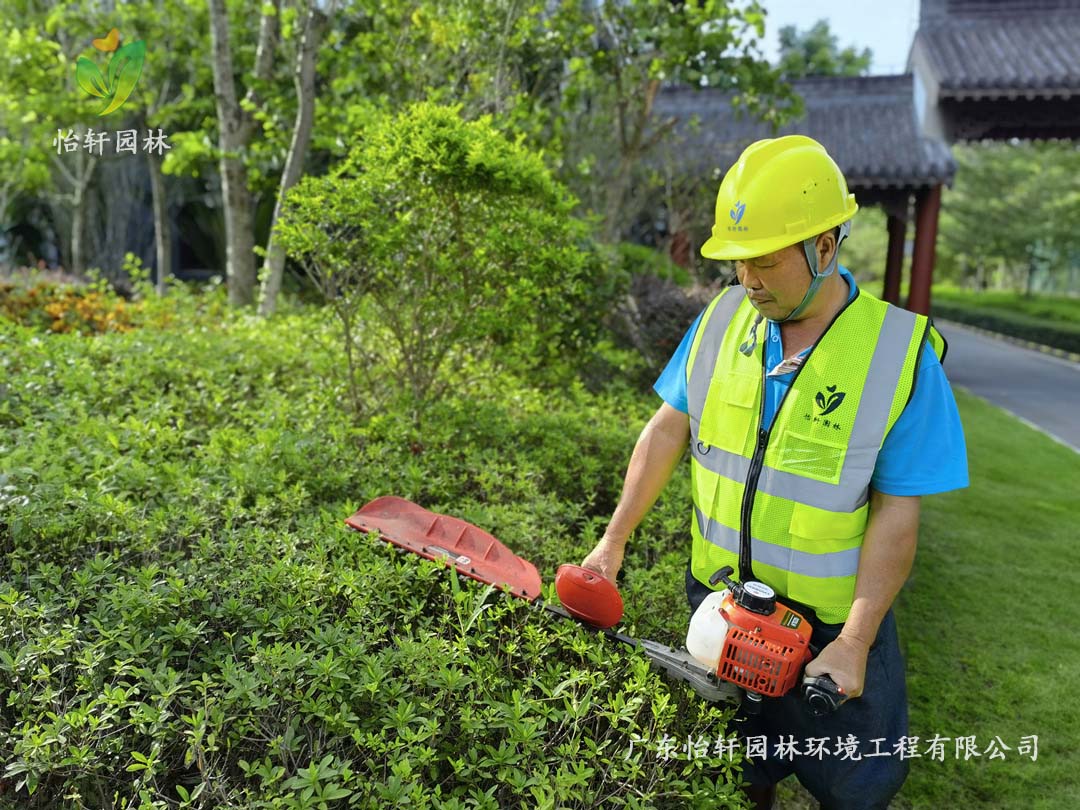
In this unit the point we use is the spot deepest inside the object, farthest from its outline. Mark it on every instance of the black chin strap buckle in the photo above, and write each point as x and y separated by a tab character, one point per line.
750	343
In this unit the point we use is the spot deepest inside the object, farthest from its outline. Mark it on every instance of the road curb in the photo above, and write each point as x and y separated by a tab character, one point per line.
1072	357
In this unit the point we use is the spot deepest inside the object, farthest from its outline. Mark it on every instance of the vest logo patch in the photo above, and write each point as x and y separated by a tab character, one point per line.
827	405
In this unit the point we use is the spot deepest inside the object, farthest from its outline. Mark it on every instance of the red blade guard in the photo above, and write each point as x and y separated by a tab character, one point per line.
471	550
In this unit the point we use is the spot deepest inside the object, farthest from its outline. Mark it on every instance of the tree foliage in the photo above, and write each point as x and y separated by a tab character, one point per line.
454	240
577	80
632	51
1014	205
817	52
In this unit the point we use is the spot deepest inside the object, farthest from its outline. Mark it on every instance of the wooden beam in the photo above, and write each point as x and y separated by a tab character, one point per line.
927	206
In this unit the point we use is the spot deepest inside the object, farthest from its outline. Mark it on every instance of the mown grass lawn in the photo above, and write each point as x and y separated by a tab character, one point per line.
986	628
986	622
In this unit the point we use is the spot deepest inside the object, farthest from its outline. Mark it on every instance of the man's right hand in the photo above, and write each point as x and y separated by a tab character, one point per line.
605	559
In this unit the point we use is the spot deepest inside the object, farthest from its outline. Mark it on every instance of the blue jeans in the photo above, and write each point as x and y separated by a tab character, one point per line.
877	720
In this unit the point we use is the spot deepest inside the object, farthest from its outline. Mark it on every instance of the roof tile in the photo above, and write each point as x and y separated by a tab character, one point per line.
867	123
1009	54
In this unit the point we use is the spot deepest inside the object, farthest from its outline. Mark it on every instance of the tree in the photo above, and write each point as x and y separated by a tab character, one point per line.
635	49
1014	205
314	23
572	78
816	52
28	73
577	80
441	245
47	107
94	195
236	126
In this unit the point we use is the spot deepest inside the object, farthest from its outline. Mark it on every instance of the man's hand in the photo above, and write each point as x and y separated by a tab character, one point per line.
605	559
844	660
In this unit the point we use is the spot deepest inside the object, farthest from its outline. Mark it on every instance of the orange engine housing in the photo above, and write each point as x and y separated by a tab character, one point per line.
764	653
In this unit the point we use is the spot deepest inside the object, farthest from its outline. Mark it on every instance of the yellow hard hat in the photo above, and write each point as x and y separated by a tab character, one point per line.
780	192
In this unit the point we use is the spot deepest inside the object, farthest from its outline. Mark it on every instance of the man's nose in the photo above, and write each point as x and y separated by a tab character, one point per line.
746	276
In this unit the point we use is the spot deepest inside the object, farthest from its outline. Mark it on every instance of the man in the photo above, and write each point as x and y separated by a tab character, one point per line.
816	415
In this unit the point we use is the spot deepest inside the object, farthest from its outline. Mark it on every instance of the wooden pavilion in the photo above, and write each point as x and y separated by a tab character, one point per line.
978	69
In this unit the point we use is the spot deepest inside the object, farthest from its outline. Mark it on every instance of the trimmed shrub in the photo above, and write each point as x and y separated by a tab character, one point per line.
184	621
273	671
1026	327
439	243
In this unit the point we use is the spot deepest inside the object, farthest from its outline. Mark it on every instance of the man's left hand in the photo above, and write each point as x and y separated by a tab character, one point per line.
843	660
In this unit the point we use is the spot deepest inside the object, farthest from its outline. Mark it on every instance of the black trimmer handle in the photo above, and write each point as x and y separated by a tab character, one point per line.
822	695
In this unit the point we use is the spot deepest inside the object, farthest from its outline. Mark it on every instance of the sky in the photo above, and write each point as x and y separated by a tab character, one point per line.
885	26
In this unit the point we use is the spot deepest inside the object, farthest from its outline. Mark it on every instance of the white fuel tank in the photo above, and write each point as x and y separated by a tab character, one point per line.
708	629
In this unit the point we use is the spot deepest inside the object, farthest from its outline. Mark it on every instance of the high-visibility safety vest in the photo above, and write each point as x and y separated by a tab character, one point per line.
788	506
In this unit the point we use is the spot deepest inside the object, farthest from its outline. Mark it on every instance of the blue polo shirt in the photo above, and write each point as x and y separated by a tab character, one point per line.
923	454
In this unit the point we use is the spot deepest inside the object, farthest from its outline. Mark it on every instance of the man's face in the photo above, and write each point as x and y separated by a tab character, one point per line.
775	282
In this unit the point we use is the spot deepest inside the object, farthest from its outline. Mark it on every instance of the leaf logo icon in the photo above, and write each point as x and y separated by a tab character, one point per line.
122	75
829	405
737	212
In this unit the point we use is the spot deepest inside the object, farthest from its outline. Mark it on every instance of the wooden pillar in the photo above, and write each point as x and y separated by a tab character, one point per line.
894	260
927	206
679	249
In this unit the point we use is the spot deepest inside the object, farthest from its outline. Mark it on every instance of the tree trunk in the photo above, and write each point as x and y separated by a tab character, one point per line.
162	226
618	186
304	77
84	172
234	130
78	217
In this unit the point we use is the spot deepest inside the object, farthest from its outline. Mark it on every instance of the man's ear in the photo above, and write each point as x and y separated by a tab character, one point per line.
826	249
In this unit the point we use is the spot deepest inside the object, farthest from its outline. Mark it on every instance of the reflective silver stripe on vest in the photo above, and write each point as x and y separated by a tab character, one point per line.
831	564
697	387
852	492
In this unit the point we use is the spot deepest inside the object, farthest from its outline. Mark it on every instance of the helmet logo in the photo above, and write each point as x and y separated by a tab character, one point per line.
737	212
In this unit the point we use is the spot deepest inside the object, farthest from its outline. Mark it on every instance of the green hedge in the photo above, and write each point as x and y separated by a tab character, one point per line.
184	621
1047	333
316	668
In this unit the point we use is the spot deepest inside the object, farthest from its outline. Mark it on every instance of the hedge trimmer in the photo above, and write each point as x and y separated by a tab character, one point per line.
740	637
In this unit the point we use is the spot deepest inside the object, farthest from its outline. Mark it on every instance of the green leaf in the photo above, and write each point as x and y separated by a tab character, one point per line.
125	67
89	78
335	792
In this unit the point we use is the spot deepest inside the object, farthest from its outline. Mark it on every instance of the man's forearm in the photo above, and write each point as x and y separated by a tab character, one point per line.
885	561
656	454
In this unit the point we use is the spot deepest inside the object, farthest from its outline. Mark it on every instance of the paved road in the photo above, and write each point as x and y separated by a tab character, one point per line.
1039	388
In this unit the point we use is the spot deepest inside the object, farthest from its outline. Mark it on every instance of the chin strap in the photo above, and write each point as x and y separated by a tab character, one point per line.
816	278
